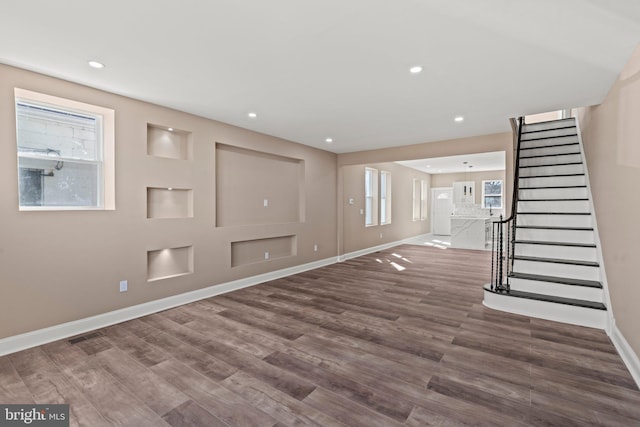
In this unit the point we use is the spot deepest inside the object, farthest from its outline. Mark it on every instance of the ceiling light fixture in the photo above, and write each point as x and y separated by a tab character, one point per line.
328	140
458	119
96	64
252	115
170	188
170	129
415	69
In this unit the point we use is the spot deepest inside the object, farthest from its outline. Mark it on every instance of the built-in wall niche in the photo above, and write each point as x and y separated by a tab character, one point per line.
262	250
169	262
255	188
168	142
169	202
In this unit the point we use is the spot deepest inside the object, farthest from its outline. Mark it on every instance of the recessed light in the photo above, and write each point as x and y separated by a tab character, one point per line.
252	115
428	166
170	188
458	119
170	129
328	140
96	64
415	69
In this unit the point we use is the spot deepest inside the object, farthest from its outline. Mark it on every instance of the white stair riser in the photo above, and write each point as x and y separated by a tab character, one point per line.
557	289
548	133
547	310
554	206
554	124
547	142
556	269
555	251
552	181
547	160
560	149
556	220
546	235
552	170
554	193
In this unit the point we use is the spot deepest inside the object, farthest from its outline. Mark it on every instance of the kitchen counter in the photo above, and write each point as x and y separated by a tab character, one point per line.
469	232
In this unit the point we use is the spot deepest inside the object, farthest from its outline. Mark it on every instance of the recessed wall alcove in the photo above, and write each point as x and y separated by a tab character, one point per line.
170	144
254	188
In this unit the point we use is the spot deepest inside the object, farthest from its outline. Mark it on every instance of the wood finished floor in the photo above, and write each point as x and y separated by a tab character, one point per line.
358	343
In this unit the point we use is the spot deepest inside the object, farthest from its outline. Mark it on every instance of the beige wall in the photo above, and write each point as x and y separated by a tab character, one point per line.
355	234
611	137
58	266
447	180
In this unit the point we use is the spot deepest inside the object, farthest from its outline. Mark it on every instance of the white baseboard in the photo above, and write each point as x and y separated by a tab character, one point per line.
372	249
42	336
629	357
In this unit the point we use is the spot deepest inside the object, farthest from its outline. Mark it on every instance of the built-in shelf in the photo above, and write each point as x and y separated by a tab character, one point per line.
171	144
262	250
169	202
257	188
168	263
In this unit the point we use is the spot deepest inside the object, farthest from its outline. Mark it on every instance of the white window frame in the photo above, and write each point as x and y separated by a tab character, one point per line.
501	194
370	197
424	188
417	199
385	197
106	145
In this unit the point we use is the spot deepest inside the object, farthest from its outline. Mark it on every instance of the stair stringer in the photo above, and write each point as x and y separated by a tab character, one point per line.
610	320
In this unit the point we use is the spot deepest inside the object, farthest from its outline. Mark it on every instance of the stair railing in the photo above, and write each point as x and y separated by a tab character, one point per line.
503	236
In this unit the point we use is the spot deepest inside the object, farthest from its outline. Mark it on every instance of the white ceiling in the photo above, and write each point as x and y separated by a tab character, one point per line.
480	162
334	68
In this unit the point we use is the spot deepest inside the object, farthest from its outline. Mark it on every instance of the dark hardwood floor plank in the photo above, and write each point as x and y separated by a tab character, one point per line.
384	404
156	393
50	386
190	414
279	405
12	387
347	412
221	402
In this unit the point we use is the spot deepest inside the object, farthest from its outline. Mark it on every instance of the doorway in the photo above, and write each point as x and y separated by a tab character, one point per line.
441	211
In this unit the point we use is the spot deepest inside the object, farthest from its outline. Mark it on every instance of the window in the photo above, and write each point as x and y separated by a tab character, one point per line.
371	200
417	199
65	153
492	194
423	199
385	197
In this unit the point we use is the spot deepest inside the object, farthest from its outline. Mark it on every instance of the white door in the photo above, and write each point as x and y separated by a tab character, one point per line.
442	210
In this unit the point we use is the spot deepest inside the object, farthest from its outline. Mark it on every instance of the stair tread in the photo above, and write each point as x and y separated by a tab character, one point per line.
547	146
555	279
554	227
551	164
555	186
554	213
551	176
550	298
550	137
581	199
545	130
549	155
551	243
557	261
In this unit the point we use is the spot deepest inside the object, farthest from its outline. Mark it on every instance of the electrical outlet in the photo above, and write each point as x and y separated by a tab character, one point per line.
266	255
315	248
361	211
124	286
266	202
381	235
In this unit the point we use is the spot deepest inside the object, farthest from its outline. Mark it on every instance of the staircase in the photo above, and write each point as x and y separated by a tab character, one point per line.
546	259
